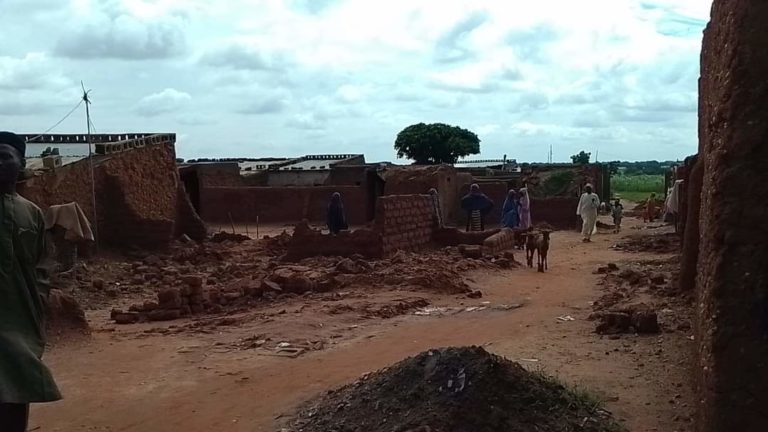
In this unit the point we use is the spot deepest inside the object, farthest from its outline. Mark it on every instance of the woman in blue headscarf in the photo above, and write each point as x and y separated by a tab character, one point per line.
337	220
510	214
477	205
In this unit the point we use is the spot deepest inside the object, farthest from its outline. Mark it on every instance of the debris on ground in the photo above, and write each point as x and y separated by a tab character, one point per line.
657	243
640	319
454	389
223	236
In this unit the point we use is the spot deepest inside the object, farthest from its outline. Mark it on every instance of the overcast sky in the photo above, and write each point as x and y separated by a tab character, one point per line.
285	78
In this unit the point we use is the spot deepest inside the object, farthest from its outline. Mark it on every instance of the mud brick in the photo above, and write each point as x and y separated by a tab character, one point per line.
193	280
126	317
169	295
164	315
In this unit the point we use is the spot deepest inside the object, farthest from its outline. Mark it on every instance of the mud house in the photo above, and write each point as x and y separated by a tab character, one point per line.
132	179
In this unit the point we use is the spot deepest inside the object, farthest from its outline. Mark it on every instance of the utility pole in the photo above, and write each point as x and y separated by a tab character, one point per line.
95	222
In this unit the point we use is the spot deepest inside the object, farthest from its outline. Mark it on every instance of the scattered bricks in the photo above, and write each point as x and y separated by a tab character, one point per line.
164	315
170	298
126	317
612	323
192	280
645	321
471	251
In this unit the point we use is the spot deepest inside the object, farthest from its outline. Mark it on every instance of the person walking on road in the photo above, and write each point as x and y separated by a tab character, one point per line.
589	203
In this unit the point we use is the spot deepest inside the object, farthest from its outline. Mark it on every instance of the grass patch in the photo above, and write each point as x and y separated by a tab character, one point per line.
637	197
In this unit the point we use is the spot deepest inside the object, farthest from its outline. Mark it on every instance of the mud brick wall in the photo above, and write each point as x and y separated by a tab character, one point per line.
280	204
691	235
187	220
406	222
136	194
307	242
732	281
225	174
501	241
419	180
560	212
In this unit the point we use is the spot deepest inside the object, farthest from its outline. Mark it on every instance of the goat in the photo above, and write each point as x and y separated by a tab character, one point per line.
531	246
542	249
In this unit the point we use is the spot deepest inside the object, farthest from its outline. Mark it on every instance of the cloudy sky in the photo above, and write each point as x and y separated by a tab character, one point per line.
292	77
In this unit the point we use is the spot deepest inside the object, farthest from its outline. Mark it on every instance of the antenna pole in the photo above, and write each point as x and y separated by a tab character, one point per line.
95	223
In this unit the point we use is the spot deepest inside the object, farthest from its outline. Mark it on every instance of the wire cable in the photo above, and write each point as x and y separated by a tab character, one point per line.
59	122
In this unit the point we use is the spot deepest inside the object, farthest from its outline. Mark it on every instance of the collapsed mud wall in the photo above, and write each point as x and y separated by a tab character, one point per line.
136	194
280	204
403	222
732	276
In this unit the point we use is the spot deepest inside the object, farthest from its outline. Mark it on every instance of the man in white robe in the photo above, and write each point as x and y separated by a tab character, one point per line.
588	206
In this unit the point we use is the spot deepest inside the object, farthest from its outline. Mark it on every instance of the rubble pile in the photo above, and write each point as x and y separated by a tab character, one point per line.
658	243
641	298
454	389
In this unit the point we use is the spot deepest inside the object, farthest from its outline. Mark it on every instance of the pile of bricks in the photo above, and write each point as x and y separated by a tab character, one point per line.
499	242
406	222
172	303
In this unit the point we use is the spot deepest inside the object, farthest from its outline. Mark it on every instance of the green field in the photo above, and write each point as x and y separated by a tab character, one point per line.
637	188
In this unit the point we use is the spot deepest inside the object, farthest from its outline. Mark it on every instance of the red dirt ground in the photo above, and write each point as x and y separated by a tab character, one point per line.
203	375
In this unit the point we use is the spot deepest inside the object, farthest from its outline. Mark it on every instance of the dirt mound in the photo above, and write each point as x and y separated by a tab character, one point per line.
660	243
454	390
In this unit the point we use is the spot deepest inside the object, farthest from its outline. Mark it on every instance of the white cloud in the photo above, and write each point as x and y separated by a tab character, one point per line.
524	75
166	101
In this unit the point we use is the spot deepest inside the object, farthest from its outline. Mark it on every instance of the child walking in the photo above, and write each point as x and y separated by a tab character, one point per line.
617	211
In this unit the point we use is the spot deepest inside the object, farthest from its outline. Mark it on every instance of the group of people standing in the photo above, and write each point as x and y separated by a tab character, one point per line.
516	212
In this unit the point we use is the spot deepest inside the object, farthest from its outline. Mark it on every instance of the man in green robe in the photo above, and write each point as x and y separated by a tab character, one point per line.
24	379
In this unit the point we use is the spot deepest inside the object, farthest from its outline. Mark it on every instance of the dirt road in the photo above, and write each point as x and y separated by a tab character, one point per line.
127	380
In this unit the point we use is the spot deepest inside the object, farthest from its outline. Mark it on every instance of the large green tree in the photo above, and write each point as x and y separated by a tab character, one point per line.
582	158
436	143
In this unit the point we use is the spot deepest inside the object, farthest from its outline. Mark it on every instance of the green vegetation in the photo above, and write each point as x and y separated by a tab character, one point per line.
437	143
556	184
581	158
637	187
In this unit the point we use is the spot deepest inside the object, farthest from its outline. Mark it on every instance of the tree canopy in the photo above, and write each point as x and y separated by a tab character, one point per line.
436	143
581	158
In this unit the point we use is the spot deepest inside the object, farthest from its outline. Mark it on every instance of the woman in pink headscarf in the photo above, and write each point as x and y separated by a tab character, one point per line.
525	209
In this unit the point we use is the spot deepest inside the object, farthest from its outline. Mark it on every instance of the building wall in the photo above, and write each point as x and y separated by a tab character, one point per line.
136	194
403	222
420	179
732	280
297	178
560	212
280	204
218	174
406	222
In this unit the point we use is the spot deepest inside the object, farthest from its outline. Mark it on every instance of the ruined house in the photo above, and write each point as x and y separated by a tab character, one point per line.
132	179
